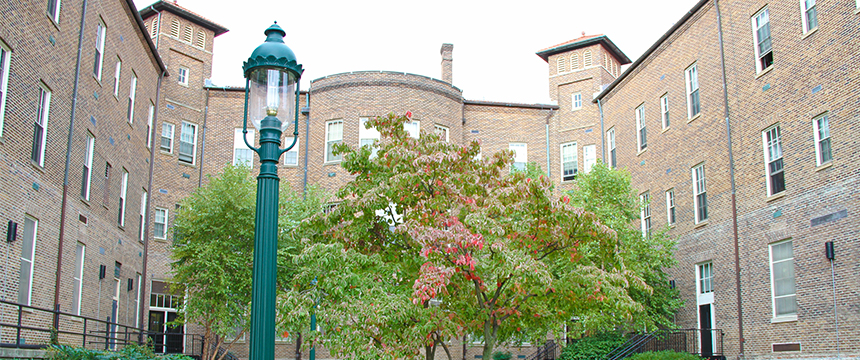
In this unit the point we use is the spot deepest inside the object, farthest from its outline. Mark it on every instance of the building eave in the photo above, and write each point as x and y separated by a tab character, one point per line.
602	39
144	34
163	5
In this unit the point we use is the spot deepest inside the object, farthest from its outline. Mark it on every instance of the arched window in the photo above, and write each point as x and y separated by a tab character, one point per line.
200	41
586	58
153	29
574	62
186	36
561	68
174	28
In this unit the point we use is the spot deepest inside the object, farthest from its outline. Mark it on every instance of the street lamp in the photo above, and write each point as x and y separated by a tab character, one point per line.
271	90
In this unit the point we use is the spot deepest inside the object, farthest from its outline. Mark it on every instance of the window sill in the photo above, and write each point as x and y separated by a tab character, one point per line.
53	22
775	196
641	151
701	224
121	227
857	11
665	129
85	201
165	152
191	165
38	167
76	318
576	109
810	32
763	72
824	166
694	117
783	319
330	163
159	240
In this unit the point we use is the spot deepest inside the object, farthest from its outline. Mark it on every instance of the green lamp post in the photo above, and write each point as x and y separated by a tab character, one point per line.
271	94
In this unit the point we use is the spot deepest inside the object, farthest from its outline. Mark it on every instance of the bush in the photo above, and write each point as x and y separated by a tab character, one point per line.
664	355
592	347
498	355
128	352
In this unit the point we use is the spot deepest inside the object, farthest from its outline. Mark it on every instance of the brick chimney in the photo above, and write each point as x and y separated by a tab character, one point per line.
447	62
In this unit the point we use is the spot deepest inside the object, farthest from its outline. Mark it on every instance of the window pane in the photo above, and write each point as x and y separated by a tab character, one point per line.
786	305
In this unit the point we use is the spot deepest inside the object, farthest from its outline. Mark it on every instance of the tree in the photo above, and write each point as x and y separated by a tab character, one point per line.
474	248
213	248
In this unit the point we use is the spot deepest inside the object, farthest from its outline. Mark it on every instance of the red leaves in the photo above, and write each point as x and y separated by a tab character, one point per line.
409	115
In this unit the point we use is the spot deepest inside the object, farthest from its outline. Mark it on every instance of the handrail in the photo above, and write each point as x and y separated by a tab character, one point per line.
671	339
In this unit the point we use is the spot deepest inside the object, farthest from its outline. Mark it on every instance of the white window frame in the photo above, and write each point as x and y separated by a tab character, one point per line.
822	139
700	187
805	11
367	136
163	223
694	100
200	39
671	214
122	198
53	10
589	157
786	316
149	119
239	145
87	172
569	157
586	59
560	65
759	66
172	128
137	302
773	155
99	59
705	278
645	213
575	101
5	59
612	158
295	150
333	136
664	110
519	155
144	197
28	261
175	27
442	131
413	128
182	76
193	142
641	130
116	76
40	129
131	97
574	62
80	257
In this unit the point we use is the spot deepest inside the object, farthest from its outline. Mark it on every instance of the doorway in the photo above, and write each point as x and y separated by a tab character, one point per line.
166	338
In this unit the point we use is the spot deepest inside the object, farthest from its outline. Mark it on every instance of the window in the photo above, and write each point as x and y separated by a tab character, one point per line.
291	158
691	75
186	35
153	29
700	195
137	303
782	279
761	38
131	96
28	252
106	194
645	213
367	137
822	139
586	58
641	137
54	10
610	144
576	101
116	75
574	62
670	206
100	51
569	166
589	154
80	253
442	132
520	155
242	155
664	110
160	296
120	219
40	129
5	57
809	15
200	40
149	119
174	28
188	142
140	231
183	76
167	137
560	65
86	176
706	278
333	136
413	128
773	160
159	227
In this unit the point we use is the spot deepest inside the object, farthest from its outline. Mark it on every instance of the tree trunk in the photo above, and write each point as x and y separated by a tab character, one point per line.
430	352
489	338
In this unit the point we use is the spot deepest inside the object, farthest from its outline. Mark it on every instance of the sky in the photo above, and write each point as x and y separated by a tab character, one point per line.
494	43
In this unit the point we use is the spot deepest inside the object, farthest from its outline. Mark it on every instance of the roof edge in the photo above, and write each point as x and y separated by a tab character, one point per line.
602	39
163	5
142	27
513	105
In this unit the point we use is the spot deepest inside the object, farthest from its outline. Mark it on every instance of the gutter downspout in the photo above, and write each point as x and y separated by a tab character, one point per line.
68	164
307	145
158	26
602	133
548	162
203	142
149	214
734	189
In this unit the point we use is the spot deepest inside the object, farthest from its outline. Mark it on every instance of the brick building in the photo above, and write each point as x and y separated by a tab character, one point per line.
725	124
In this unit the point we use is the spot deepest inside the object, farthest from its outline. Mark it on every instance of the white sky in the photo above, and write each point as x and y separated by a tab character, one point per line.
494	44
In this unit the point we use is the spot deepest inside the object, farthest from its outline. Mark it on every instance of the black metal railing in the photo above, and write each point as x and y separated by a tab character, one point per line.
30	327
548	351
707	343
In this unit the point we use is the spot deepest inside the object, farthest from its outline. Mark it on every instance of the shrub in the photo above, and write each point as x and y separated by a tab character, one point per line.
592	347
498	355
128	352
664	355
